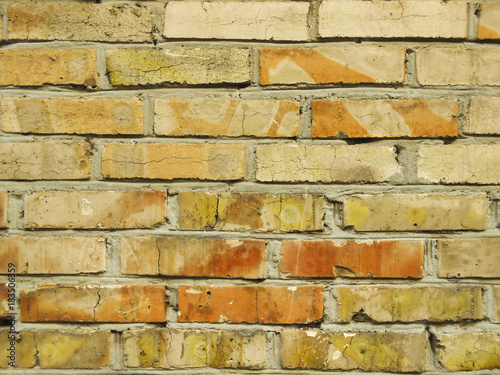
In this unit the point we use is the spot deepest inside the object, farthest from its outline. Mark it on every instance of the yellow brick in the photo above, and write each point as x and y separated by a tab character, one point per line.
489	21
484	113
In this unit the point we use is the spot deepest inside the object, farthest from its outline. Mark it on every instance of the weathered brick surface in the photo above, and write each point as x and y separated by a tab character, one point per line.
484	113
291	163
174	161
332	64
393	19
193	257
352	258
36	67
385	118
228	117
410	304
195	348
4	205
442	66
489	21
45	161
95	209
366	351
237	20
469	351
24	353
44	256
94	303
250	211
191	66
478	257
416	212
479	164
4	300
72	116
250	304
109	22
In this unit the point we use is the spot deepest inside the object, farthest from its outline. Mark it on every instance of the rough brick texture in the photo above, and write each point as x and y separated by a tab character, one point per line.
489	21
483	116
4	205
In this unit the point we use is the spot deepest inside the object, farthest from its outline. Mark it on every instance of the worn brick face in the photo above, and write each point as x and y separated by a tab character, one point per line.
489	21
4	300
366	351
385	118
174	161
250	211
332	64
292	163
227	117
237	20
94	303
415	212
87	21
95	209
403	304
44	256
393	19
484	113
496	297
36	67
352	258
193	257
72	116
4	205
250	304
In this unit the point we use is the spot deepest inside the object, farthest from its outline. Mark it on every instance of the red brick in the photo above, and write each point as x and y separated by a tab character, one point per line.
250	304
94	303
350	258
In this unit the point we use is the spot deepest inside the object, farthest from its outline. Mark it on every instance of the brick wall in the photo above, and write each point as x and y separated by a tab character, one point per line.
250	187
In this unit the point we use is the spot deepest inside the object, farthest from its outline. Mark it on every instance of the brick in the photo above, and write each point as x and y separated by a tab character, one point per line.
416	212
352	258
44	256
227	117
95	209
250	304
45	161
72	116
5	290
332	64
392	19
366	351
94	303
496	297
410	304
36	67
193	257
237	20
74	21
442	66
479	164
174	161
187	66
250	211
385	118
489	21
25	353
468	351
4	205
315	163
163	348
484	113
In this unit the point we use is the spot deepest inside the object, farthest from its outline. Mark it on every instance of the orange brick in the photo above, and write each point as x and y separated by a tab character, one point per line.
332	64
4	203
489	21
36	67
44	255
94	303
193	257
250	304
174	161
4	303
350	258
385	118
95	209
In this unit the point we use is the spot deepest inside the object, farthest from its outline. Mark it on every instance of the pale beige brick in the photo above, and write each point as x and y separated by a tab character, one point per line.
108	22
187	66
489	20
174	161
496	296
72	116
4	205
95	209
416	212
313	163
237	20
393	19
484	116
